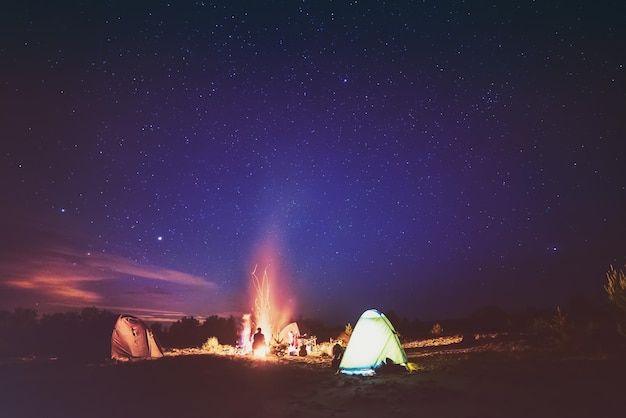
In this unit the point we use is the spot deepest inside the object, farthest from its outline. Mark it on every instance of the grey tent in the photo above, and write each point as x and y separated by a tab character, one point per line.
132	339
290	336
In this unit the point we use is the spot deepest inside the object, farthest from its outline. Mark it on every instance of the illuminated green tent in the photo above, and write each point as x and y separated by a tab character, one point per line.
373	343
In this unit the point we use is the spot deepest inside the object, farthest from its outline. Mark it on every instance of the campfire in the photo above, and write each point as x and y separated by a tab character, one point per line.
260	328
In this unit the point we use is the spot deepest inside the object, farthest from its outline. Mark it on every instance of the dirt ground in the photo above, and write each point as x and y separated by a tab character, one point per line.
450	381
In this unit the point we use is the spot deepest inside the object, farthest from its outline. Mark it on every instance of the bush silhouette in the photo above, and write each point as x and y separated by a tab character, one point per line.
616	290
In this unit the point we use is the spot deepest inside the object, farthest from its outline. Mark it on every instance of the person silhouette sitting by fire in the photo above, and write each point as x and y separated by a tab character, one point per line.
258	340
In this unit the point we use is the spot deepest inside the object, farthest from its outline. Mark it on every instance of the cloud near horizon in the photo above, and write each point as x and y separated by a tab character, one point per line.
56	274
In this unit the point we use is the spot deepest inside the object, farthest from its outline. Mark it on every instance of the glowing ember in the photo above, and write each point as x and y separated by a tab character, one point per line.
262	302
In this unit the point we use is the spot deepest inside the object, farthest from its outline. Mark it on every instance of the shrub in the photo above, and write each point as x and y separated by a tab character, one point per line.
436	330
279	349
616	290
561	328
561	333
212	344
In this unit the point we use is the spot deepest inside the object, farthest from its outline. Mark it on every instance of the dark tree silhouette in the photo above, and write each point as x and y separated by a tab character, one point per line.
224	329
18	329
69	336
183	333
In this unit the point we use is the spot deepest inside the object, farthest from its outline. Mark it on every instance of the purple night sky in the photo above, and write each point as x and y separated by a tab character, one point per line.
427	158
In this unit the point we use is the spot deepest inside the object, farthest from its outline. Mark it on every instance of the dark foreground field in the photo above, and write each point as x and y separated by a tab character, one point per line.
449	383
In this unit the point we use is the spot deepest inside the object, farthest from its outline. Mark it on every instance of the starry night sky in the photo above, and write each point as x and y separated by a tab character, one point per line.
422	157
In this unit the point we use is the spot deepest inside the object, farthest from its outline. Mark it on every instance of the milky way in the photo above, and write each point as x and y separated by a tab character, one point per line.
426	158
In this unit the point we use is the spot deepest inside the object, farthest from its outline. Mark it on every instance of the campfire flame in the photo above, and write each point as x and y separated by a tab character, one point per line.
270	310
245	338
260	352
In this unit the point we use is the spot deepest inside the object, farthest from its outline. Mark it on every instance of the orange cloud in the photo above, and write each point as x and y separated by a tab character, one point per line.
57	287
65	287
